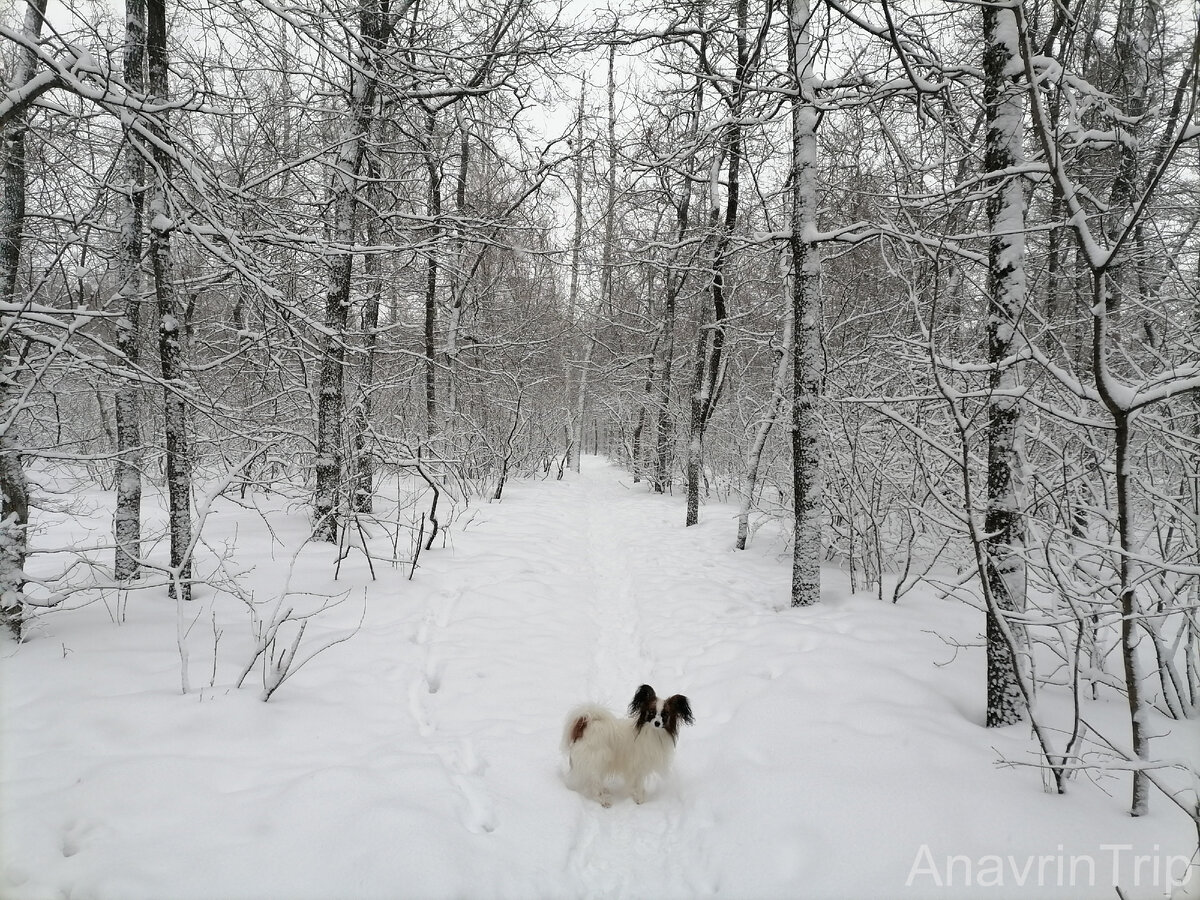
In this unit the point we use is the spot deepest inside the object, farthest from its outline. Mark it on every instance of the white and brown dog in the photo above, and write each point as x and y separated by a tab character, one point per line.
599	746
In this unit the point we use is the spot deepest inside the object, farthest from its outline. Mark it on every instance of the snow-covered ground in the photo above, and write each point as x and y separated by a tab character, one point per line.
837	751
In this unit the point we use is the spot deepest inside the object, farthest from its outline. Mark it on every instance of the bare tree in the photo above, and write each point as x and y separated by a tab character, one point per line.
375	24
172	318
675	274
783	351
712	334
127	519
14	488
807	427
1005	590
1124	391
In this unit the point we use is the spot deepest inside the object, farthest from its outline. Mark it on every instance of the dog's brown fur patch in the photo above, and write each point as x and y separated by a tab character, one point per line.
578	728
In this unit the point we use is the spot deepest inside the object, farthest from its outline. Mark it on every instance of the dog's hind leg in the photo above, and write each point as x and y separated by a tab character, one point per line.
591	787
597	789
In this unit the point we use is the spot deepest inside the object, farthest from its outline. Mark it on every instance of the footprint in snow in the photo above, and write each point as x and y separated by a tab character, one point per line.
433	675
416	706
74	835
467	768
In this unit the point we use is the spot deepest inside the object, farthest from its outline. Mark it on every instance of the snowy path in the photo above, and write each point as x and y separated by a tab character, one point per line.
420	759
585	566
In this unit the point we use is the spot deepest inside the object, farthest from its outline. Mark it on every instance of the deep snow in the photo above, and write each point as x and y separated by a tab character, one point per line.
837	752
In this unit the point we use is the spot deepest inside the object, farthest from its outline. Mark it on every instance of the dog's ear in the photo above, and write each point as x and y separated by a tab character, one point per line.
680	708
644	697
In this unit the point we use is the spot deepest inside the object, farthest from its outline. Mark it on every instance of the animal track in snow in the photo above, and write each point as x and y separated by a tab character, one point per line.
468	768
433	675
416	706
464	766
75	833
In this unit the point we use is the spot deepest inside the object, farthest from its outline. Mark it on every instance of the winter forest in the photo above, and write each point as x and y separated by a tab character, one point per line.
869	328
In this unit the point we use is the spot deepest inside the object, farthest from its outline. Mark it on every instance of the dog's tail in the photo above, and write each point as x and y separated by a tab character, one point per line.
578	721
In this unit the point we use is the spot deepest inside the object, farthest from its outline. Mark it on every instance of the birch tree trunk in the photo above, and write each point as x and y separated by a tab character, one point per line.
172	330
806	316
1003	524
14	488
127	519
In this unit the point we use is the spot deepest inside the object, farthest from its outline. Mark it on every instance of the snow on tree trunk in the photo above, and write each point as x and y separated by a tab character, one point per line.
363	481
331	384
127	518
806	313
14	488
1115	399
1003	524
1131	614
1134	189
1132	48
172	328
343	190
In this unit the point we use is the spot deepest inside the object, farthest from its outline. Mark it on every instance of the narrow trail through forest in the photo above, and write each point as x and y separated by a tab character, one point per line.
585	585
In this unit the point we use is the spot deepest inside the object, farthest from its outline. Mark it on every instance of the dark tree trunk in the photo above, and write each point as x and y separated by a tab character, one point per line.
373	32
127	518
14	488
807	429
1004	521
172	319
364	457
433	167
710	346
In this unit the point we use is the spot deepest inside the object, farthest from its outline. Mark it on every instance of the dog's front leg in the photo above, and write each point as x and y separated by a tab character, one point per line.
638	790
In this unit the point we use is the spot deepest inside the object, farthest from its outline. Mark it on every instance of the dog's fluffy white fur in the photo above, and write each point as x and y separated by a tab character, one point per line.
600	746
